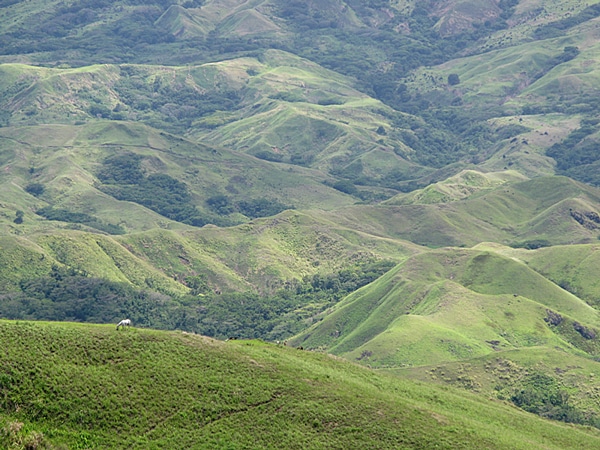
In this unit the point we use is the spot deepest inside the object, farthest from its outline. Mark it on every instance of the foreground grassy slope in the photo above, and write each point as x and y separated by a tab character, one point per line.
503	374
90	386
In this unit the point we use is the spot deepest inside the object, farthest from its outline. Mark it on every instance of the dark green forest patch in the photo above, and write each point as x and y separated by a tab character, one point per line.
124	179
67	295
578	156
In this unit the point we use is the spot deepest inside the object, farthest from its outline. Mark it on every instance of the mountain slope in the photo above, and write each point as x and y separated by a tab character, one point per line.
540	211
68	165
92	386
259	256
447	305
242	168
278	107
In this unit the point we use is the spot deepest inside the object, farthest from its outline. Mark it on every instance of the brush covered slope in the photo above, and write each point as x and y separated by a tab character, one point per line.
93	169
257	256
89	386
476	207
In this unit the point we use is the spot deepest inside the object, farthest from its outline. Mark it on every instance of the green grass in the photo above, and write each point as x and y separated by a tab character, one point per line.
258	256
505	372
93	387
442	315
466	184
226	104
67	166
510	214
198	110
448	305
178	21
571	267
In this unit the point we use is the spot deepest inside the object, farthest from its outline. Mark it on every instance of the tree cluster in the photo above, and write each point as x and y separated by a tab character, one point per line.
67	295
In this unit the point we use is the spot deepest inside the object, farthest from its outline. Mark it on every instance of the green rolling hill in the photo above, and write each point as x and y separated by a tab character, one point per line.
89	386
483	207
412	186
278	107
481	319
473	295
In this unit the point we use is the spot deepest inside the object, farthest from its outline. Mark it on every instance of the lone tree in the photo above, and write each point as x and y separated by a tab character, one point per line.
19	217
453	79
35	189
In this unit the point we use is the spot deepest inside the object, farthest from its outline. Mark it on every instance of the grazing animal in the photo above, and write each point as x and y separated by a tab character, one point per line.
124	323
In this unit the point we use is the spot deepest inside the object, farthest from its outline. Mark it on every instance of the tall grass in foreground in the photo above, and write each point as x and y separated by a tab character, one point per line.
88	386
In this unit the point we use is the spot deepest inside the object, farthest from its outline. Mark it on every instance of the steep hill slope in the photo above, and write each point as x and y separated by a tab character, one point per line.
83	386
548	382
449	305
483	320
572	267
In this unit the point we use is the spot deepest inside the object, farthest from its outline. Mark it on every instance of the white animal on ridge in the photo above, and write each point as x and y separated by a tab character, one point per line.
124	323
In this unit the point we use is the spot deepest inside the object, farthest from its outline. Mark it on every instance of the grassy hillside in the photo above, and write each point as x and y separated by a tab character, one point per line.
270	106
277	106
267	252
67	167
93	387
448	305
259	256
481	319
537	212
532	378
314	104
571	267
255	169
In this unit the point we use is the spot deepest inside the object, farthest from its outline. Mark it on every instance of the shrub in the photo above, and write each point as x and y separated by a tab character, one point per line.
35	189
453	79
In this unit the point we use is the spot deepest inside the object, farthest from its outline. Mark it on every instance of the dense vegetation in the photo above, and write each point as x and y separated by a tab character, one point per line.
578	155
66	295
558	28
124	179
65	215
541	395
